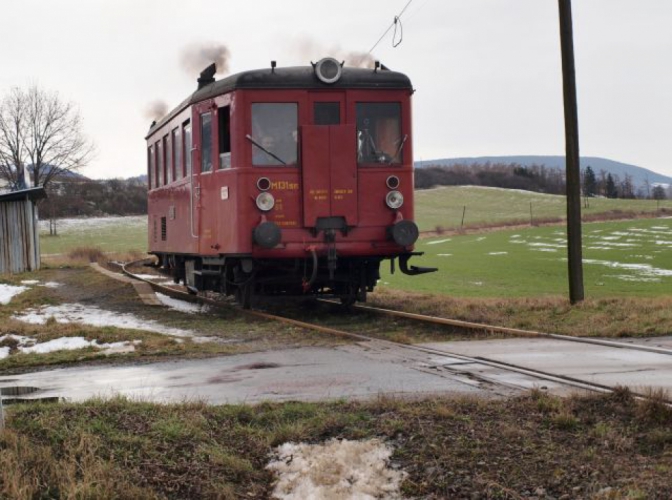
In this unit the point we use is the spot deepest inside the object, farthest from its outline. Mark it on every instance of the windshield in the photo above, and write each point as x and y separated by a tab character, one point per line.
379	138
274	133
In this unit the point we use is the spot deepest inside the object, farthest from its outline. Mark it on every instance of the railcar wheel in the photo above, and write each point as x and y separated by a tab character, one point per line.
244	295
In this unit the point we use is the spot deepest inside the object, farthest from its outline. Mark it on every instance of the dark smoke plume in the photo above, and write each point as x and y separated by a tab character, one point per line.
196	57
308	50
156	110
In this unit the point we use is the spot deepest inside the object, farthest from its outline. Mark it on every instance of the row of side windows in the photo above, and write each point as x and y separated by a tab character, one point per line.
169	158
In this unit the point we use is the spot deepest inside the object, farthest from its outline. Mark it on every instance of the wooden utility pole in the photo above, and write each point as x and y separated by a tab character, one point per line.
574	251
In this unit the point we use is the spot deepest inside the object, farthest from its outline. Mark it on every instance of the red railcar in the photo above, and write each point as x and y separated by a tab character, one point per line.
285	181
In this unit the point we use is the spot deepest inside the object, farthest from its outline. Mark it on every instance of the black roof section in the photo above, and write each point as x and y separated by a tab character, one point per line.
299	77
32	194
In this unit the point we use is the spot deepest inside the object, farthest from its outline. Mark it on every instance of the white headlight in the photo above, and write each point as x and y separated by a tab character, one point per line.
265	201
394	199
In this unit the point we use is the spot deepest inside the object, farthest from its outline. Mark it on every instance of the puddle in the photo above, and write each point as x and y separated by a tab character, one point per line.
17	391
13	395
258	366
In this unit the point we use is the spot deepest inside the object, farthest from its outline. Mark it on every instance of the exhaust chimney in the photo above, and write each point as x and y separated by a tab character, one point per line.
207	76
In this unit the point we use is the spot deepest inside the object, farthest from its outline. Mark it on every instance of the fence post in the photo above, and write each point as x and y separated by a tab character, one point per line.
464	211
531	218
2	413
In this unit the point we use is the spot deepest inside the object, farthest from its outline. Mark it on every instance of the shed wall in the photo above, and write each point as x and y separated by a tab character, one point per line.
19	238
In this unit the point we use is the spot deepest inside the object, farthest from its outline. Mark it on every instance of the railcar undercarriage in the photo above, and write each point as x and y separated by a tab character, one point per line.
246	278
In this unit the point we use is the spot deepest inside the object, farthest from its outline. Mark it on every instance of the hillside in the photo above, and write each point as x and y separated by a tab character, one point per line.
485	206
639	175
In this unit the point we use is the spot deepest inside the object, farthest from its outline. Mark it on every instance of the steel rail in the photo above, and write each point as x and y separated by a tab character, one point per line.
510	331
539	374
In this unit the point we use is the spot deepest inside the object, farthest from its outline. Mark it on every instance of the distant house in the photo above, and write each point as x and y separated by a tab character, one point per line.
19	237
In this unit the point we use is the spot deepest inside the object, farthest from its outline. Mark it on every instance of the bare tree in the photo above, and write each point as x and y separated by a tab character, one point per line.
41	133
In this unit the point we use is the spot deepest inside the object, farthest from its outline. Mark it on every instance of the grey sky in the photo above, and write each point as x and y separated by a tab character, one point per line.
487	72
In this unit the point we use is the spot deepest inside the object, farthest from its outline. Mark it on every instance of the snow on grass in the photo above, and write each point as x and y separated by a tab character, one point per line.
643	270
51	284
7	292
4	352
30	282
149	276
94	316
75	225
182	305
436	242
30	345
498	253
444	254
355	470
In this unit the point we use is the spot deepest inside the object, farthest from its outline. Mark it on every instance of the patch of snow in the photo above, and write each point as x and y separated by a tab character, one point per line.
94	316
182	305
498	253
546	245
149	276
642	269
355	470
444	254
515	236
7	292
627	277
663	242
4	352
28	345
52	284
544	249
439	241
62	344
664	228
30	282
481	238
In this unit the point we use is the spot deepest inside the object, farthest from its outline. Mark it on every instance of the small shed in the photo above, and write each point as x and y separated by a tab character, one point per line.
19	236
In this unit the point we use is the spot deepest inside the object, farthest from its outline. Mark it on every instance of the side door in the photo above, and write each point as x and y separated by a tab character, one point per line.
329	161
203	127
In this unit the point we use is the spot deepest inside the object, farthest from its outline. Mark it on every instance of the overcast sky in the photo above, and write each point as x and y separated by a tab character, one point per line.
487	72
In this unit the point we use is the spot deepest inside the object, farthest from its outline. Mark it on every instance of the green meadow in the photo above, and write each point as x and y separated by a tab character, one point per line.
111	234
624	258
482	206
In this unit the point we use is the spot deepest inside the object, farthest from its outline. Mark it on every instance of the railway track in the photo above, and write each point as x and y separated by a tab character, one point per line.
439	353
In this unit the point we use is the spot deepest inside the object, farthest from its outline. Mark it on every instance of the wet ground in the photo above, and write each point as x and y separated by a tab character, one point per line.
361	370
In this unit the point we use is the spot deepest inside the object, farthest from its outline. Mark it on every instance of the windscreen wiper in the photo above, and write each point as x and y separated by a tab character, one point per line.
249	137
400	148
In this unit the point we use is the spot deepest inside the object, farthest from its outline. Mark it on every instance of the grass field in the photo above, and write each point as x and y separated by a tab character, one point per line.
113	234
622	258
443	207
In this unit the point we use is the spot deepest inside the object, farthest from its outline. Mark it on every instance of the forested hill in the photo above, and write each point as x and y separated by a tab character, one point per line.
640	176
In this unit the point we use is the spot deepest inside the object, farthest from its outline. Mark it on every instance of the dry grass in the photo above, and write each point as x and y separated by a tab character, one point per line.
579	447
608	317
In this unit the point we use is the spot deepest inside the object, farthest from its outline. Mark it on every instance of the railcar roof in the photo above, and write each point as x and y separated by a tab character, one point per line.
299	77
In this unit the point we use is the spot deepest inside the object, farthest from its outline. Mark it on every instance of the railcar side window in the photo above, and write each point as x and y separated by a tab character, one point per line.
224	129
379	138
206	142
150	168
177	152
187	149
274	135
159	163
169	160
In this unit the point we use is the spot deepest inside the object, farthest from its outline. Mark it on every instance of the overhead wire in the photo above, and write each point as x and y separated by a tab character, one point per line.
393	25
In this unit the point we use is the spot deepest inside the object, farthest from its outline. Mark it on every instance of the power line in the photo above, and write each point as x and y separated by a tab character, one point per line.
394	23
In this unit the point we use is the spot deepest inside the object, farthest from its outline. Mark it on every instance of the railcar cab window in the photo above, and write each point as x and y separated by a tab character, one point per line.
274	138
206	142
224	132
176	142
150	168
159	164
379	138
169	160
187	148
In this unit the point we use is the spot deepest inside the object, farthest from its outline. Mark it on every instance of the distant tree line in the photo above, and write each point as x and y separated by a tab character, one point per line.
94	198
537	178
